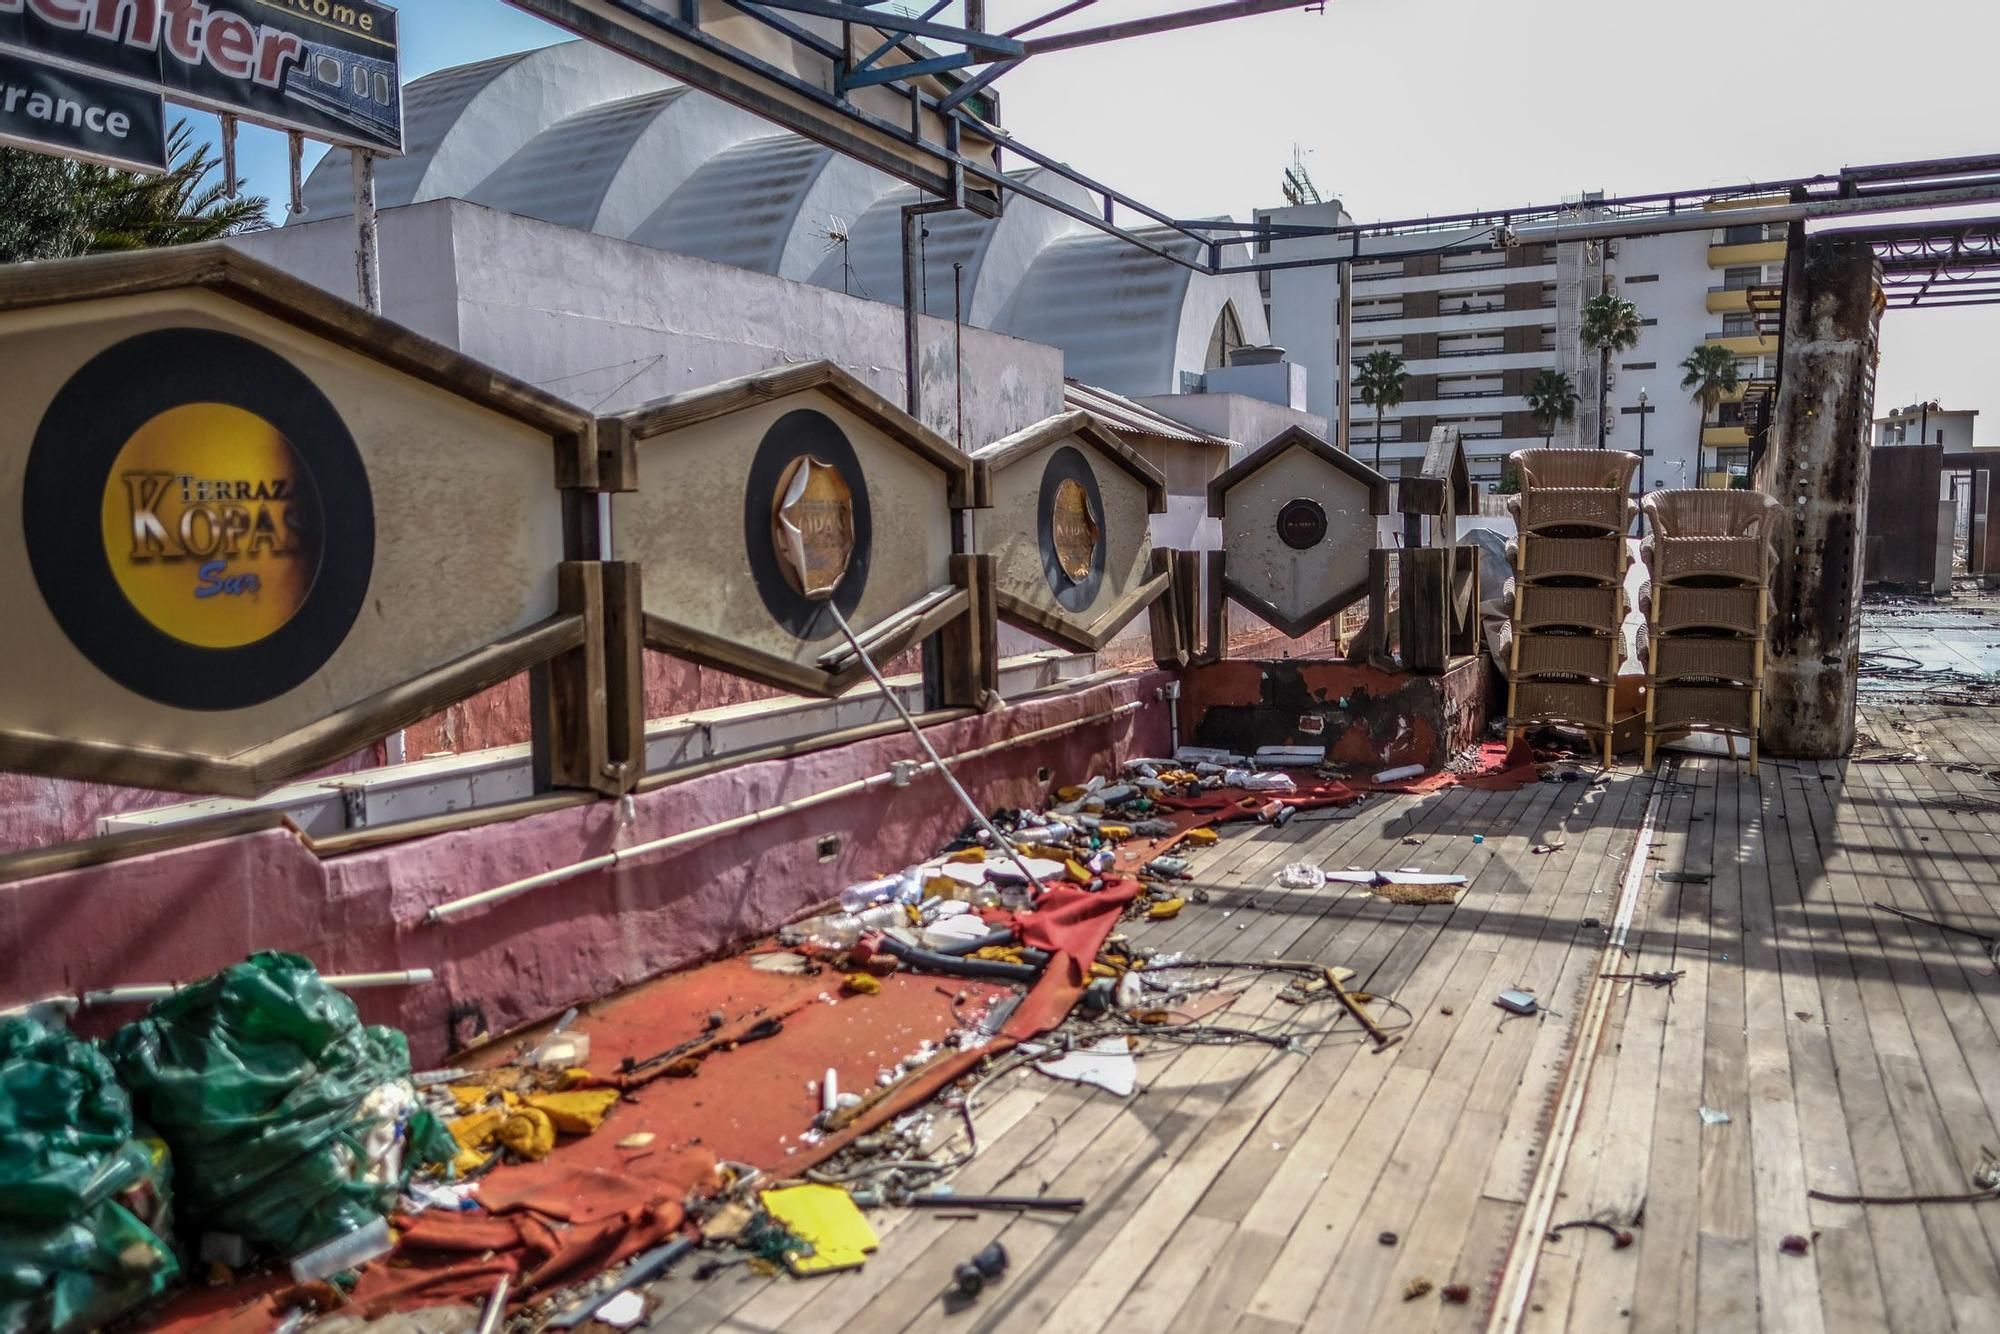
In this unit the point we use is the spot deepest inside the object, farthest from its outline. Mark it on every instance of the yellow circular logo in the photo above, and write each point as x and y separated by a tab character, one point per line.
212	525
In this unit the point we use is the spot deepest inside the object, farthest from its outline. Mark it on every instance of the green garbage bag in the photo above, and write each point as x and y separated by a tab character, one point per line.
276	1102
75	1181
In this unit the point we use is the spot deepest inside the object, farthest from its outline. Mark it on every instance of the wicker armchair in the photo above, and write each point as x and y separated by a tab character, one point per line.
1605	469
1710	536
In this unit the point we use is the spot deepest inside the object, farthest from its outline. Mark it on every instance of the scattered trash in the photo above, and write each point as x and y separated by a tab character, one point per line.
628	1308
1063	1204
1620	1237
1301	875
1659	978
288	1120
1417	1287
83	1203
1710	1116
1682	877
643	1269
1541	848
970	1278
1388	1238
1399	773
1108	1065
347	1251
826	1218
1517	1002
1457	1294
780	961
1478	838
1794	1245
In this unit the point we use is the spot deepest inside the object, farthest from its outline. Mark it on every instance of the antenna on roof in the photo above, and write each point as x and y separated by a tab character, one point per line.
835	235
1298	187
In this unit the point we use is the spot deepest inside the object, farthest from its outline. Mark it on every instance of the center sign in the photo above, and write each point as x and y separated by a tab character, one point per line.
328	68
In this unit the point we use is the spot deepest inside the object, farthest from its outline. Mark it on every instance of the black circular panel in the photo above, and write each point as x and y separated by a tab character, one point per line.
1069	465
1301	524
803	432
229	493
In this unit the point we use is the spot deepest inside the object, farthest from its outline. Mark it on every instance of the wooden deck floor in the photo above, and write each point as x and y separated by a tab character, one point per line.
1248	1189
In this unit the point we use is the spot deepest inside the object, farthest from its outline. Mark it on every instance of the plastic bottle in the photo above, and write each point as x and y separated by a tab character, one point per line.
345	1252
834	931
856	897
882	916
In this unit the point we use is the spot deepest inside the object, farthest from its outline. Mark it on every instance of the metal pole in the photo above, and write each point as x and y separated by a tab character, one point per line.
913	388
367	251
229	179
1187	18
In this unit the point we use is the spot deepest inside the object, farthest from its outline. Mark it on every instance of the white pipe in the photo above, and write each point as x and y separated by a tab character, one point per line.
1697	220
143	993
686	836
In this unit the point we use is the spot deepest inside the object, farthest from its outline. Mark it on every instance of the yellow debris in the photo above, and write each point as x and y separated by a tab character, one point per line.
577	1112
1103	970
942	886
637	1140
999	953
1068	793
529	1132
477	1131
827	1217
1115	831
1200	837
972	854
861	984
1077	871
468	1161
1165	908
469	1097
572	1077
509	1098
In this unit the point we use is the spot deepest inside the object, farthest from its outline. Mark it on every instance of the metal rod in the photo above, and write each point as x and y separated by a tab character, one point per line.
1000	841
230	183
937	7
1050	17
992	43
1157	23
298	153
496	1306
367	239
138	993
745	821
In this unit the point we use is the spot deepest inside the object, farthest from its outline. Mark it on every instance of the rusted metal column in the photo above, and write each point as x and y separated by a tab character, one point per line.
1817	467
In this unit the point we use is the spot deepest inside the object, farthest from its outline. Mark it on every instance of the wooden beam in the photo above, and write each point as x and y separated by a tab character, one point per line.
969	647
570	746
1170	641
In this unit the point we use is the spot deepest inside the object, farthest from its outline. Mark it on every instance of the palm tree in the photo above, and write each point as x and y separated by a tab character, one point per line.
1380	378
1551	399
52	209
1711	373
1610	324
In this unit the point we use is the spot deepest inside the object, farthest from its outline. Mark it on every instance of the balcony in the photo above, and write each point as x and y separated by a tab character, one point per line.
1756	252
1725	437
1742	345
1724	299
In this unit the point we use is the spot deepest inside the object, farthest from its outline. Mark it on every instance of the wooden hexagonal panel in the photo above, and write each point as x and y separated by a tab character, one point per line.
1298	521
1068	529
248	527
759	503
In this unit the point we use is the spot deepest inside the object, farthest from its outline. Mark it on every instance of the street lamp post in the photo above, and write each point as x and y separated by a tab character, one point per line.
1643	411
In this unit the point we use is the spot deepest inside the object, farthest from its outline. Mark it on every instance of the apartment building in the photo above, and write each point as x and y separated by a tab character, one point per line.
1475	326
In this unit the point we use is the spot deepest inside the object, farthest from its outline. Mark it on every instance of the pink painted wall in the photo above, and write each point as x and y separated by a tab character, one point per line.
180	914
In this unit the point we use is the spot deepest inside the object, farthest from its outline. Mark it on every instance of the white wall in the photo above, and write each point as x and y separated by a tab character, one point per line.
1678	305
608	324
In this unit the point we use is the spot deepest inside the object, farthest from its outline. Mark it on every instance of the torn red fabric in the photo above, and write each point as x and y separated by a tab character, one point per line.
1503	768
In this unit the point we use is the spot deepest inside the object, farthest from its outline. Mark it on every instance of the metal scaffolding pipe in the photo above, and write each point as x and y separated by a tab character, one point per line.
1711	219
604	861
145	993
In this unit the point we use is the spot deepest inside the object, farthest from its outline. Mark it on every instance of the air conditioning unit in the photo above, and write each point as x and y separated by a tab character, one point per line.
1611	249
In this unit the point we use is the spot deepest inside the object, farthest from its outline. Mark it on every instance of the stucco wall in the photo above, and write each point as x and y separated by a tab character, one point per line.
608	324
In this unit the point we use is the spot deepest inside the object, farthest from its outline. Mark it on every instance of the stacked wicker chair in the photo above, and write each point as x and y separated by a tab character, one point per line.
1567	596
1707	603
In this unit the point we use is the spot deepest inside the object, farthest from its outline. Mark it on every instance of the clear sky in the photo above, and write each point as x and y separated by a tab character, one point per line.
1403	107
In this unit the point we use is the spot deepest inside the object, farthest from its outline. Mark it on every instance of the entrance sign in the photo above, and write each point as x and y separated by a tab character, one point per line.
51	110
1069	530
327	68
247	528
